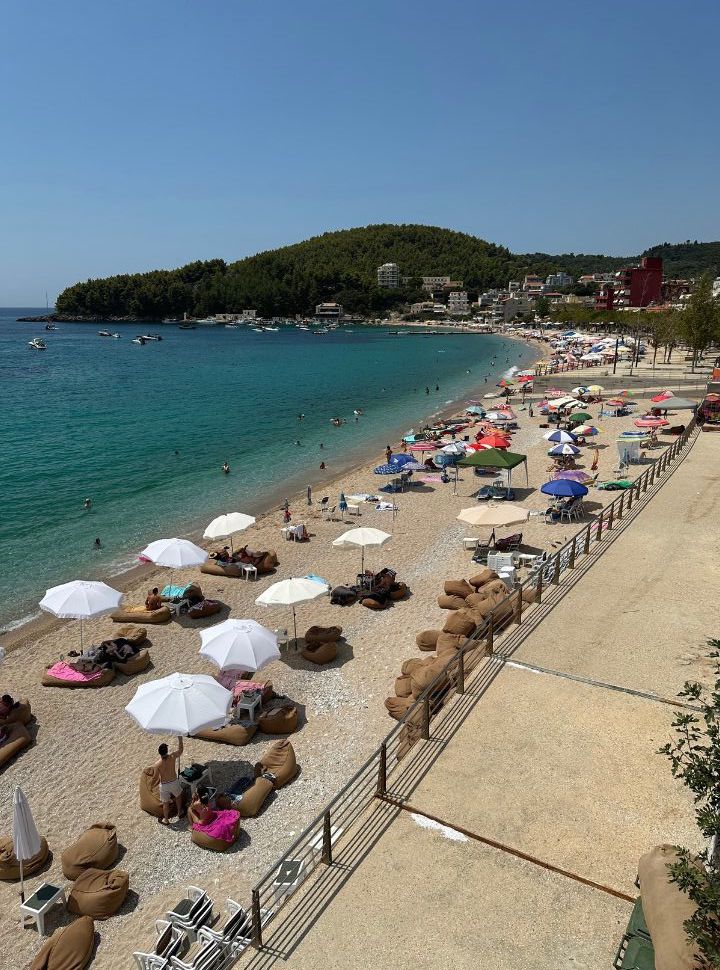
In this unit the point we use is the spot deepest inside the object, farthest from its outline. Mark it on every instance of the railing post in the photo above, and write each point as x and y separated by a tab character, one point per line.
571	560
556	570
621	506
598	535
518	604
327	840
425	727
539	588
610	516
645	482
382	771
256	920
630	496
587	542
461	672
491	635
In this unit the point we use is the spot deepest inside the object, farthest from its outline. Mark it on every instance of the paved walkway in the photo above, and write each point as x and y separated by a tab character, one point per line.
520	828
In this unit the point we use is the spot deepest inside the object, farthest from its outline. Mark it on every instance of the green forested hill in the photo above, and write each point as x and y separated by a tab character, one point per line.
339	266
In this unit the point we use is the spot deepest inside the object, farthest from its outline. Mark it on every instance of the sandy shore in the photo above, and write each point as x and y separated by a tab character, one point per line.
85	764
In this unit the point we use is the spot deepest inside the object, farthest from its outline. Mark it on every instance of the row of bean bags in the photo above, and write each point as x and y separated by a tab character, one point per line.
96	848
17	738
264	562
98	893
69	948
9	865
321	644
20	714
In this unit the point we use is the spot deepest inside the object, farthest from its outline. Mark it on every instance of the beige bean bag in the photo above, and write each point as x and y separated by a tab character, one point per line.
150	796
105	678
427	640
529	594
421	679
409	666
399	593
321	653
10	867
206	841
279	720
458	587
235	734
17	739
69	948
138	614
449	640
483	577
446	602
98	893
397	707
371	604
322	634
211	567
251	800
18	715
666	908
460	622
96	848
403	686
136	635
280	761
135	665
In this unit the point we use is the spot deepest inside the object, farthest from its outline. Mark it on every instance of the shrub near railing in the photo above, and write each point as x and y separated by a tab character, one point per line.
315	845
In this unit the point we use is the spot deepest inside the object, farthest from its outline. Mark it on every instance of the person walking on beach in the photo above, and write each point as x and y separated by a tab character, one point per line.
596	459
165	772
388	453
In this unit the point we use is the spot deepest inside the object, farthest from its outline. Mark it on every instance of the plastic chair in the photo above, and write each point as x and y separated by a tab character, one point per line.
192	911
170	940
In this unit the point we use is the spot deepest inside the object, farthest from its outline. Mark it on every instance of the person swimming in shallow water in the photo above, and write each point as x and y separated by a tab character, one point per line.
226	468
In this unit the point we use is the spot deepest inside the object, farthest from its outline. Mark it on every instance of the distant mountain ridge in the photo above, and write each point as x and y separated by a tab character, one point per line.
342	266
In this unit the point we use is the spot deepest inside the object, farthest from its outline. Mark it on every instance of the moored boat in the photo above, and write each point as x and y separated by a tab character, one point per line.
37	344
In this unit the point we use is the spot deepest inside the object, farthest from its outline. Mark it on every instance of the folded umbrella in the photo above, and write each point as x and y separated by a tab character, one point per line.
26	841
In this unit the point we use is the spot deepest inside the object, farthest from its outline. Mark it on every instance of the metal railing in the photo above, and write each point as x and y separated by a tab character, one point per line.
315	845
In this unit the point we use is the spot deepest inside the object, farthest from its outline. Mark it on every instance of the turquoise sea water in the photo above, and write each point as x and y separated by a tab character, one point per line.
103	418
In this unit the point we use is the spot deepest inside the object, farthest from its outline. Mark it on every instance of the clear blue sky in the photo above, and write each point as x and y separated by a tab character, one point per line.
147	133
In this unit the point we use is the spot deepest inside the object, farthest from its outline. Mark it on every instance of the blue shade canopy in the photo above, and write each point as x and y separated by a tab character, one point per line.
563	488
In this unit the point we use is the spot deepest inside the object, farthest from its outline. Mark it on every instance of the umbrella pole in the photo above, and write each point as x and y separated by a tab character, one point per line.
22	882
294	628
81	637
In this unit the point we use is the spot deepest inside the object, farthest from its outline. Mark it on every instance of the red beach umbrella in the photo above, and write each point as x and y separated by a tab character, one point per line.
495	441
662	396
650	423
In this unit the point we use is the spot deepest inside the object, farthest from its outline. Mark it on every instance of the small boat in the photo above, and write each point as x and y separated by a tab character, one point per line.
358	411
321	330
37	344
301	326
231	326
188	326
151	336
257	329
208	320
139	340
50	326
336	422
104	333
271	328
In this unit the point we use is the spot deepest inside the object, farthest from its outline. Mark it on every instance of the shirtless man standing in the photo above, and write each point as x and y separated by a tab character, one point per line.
165	771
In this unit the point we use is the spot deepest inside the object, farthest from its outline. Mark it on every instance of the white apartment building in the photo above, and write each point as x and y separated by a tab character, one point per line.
556	280
716	288
458	303
248	314
388	275
431	283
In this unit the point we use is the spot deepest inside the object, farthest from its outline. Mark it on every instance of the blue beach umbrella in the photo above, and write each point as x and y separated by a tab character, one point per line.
387	470
445	461
475	409
560	437
559	450
400	460
564	488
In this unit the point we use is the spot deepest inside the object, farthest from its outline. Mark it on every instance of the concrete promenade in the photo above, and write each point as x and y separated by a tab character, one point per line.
517	830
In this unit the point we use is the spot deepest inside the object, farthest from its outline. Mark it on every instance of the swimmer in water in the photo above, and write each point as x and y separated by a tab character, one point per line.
98	544
87	504
225	468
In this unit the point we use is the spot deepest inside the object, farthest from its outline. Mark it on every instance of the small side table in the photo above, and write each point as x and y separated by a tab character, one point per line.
204	781
44	897
251	707
249	570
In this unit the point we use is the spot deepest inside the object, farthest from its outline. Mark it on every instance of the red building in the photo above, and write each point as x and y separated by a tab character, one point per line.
635	286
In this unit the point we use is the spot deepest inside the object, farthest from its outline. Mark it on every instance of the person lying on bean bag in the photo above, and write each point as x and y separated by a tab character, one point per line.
214	829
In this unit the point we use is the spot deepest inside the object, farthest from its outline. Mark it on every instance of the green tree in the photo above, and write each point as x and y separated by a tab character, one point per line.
542	306
695	759
700	321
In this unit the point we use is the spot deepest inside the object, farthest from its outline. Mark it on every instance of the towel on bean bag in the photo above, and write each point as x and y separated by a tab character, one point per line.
98	893
69	948
96	848
62	674
16	738
666	907
138	614
223	827
280	762
9	865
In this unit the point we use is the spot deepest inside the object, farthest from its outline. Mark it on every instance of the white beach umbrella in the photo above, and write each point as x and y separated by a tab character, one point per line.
239	645
180	704
174	553
26	841
362	538
290	592
225	526
494	515
79	600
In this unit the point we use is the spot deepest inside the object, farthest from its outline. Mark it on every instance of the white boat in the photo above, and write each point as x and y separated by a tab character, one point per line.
37	344
321	330
151	336
257	329
231	326
207	320
271	328
139	340
106	333
301	326
50	326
